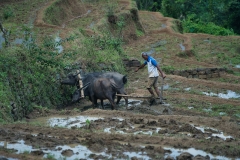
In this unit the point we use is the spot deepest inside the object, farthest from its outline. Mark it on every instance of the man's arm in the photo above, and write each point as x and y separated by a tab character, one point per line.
154	62
159	69
140	67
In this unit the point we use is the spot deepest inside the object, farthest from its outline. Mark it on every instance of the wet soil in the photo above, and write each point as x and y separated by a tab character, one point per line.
116	132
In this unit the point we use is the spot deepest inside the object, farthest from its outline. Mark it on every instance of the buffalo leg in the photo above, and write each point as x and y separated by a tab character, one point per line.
110	98
119	98
94	101
103	107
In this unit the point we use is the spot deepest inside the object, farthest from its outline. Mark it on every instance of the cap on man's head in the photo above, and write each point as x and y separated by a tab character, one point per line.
144	54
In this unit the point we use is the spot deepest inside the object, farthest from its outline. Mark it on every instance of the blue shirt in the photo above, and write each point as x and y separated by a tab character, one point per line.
153	61
152	67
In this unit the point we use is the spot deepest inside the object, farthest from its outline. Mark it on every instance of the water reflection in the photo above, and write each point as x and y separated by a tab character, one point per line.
58	47
68	122
219	134
228	95
76	151
19	146
2	40
182	47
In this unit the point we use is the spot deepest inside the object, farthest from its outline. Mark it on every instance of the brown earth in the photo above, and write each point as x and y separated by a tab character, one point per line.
177	122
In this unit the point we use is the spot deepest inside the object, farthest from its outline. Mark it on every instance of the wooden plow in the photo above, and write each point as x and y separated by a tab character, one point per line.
132	96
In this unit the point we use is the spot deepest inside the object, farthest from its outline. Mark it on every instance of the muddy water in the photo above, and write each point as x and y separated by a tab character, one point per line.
68	122
102	138
228	95
182	47
7	158
69	152
2	40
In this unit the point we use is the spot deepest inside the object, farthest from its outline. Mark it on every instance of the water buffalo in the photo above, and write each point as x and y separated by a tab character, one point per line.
100	88
117	78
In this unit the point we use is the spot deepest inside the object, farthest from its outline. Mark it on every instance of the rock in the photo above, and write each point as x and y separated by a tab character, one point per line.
185	156
199	157
37	153
169	158
134	158
67	153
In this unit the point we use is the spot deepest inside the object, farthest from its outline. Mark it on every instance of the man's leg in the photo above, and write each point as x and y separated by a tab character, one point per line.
150	84
155	85
157	91
151	91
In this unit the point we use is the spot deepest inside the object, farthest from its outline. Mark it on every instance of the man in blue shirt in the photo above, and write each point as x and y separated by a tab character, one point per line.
153	69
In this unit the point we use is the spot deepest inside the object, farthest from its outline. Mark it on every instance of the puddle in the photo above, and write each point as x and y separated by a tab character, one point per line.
207	40
166	87
182	47
222	136
219	135
58	45
79	152
69	122
141	155
7	158
143	132
131	102
164	26
176	152
109	130
2	40
19	146
76	151
237	66
222	113
91	25
207	109
229	94
18	41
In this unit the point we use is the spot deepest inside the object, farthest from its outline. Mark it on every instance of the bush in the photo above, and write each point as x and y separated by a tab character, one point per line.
190	26
168	69
30	74
8	12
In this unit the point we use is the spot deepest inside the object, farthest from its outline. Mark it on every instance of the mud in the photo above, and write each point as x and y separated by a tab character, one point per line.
125	136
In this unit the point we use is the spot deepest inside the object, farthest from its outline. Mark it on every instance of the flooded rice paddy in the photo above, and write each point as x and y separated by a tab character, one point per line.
117	127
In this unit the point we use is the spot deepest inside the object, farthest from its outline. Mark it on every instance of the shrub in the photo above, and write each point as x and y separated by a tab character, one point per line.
8	12
190	26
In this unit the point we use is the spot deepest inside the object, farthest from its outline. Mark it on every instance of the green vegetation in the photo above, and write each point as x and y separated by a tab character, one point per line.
54	13
50	157
8	12
190	26
139	33
30	72
107	52
168	69
217	17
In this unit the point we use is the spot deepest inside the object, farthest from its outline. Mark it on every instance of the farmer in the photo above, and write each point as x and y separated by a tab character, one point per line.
153	74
